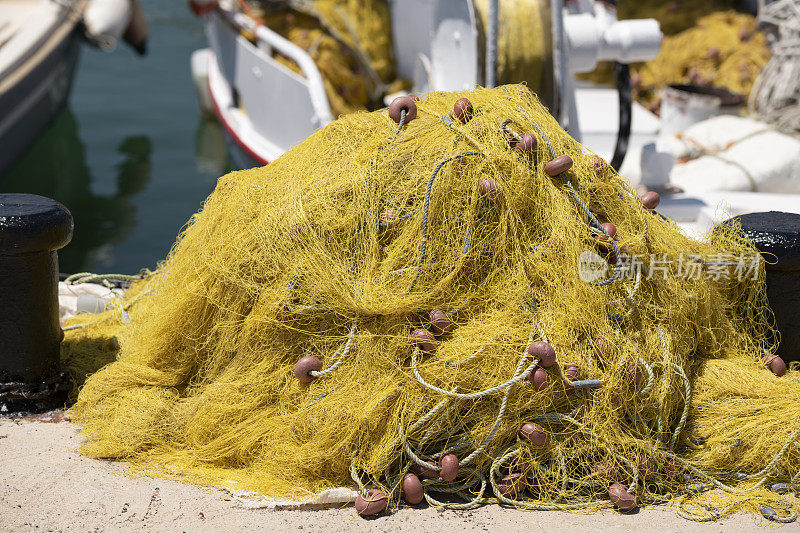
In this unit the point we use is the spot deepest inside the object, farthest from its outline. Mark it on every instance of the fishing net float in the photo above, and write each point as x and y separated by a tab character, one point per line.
398	304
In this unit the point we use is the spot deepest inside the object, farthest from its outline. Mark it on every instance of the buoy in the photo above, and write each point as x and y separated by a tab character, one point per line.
558	165
489	189
512	485
440	322
572	372
775	364
534	433
345	192
105	21
389	216
768	512
697	488
424	339
400	104
605	470
602	349
621	497
671	468
283	313
539	378
427	473
600	166
372	503
32	229
608	232
542	351
645	466
633	374
527	144
780	488
414	320
305	365
412	489
449	469
201	8
463	110
467	267
138	30
650	200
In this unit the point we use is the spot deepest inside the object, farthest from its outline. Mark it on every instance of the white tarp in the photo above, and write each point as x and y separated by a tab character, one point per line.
733	153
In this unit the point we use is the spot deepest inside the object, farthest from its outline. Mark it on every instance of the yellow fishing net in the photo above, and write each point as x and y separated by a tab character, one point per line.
368	238
365	26
722	50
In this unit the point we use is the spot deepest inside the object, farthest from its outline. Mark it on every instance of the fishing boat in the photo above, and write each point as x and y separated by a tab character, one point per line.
39	46
266	108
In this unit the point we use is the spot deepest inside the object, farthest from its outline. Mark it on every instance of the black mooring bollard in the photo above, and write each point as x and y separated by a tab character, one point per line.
32	228
777	236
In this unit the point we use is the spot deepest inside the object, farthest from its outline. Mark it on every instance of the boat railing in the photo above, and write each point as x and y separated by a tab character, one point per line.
263	34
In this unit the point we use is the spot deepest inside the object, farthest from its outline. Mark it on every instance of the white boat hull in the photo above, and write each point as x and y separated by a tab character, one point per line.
33	93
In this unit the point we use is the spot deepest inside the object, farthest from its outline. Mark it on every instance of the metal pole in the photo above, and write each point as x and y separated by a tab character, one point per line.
491	44
560	101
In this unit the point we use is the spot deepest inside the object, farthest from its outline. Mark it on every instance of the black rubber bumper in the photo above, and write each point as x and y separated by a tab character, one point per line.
777	236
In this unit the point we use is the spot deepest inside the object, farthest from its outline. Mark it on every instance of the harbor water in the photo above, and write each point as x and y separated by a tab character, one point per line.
130	156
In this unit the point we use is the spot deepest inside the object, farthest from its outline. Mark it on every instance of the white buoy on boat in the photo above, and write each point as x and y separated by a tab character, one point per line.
199	62
106	21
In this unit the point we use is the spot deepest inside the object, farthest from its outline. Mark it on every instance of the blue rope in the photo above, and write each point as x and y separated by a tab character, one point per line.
425	209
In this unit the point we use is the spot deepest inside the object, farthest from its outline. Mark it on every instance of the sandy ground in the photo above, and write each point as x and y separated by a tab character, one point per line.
46	486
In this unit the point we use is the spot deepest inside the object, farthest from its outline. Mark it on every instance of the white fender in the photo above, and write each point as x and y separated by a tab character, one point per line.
106	21
138	30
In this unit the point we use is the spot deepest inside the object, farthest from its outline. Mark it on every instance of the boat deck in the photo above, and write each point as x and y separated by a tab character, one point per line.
14	14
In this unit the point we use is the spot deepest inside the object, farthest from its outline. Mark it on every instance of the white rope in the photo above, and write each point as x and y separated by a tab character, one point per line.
775	97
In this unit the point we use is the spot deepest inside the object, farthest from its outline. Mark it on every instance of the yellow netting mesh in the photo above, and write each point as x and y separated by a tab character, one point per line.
364	25
722	50
336	247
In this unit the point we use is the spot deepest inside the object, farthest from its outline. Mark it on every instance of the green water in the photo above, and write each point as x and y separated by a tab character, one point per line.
130	156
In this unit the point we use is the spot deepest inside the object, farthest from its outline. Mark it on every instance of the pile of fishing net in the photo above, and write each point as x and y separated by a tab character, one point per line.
432	302
721	50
